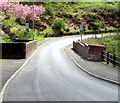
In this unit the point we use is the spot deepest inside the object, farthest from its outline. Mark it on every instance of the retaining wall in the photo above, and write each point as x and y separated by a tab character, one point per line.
89	51
17	50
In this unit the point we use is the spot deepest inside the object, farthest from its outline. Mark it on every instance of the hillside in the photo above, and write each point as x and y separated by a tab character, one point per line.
95	16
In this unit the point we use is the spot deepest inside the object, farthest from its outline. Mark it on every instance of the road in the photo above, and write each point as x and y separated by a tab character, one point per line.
51	75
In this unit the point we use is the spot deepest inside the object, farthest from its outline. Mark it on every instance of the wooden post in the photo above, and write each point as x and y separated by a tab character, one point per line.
114	58
107	57
102	56
73	45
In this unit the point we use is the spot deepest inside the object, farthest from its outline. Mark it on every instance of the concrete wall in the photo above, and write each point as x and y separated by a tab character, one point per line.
30	47
17	50
89	51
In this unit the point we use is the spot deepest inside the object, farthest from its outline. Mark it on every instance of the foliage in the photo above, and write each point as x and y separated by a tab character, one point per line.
3	38
58	24
73	13
19	30
24	12
9	23
102	7
112	43
6	40
49	32
96	25
49	10
40	37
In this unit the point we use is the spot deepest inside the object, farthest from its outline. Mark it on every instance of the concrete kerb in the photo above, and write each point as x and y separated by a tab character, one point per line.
90	73
14	75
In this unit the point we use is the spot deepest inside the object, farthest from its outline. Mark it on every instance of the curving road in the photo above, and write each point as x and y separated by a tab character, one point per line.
51	75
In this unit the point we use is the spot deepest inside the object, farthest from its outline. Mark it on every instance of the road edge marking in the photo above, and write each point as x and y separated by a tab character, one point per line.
90	73
8	81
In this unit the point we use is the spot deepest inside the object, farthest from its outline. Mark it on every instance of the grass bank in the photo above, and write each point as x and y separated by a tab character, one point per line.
96	16
111	42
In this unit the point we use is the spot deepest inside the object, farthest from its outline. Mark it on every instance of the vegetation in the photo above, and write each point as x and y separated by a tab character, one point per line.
58	26
97	16
19	30
56	18
111	42
49	10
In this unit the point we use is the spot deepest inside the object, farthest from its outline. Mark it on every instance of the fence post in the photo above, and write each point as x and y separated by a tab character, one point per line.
114	58
107	57
102	56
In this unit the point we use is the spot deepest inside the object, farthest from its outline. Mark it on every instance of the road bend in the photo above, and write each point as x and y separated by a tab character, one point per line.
51	75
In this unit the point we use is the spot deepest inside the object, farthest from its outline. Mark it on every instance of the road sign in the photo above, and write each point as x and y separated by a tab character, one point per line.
27	27
81	30
81	27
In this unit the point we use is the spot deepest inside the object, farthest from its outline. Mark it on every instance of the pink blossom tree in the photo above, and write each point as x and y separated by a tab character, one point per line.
21	11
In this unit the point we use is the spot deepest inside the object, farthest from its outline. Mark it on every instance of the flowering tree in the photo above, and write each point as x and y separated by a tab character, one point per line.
21	11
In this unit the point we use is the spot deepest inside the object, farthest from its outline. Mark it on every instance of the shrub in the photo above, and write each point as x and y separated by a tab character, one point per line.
47	32
9	23
96	25
6	40
58	24
49	10
112	43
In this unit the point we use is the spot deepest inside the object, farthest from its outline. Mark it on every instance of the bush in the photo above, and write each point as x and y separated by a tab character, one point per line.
58	24
4	38
96	25
49	10
112	43
47	32
9	23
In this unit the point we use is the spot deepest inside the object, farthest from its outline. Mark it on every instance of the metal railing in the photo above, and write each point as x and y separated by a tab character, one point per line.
110	58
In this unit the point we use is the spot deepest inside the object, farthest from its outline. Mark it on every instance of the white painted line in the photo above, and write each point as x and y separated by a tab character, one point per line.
8	81
109	80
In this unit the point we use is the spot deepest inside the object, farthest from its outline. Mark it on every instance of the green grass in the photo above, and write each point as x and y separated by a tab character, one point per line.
95	11
40	38
92	40
3	59
3	38
111	42
19	30
92	13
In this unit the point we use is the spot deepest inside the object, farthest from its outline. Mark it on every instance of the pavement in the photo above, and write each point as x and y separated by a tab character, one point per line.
9	66
97	69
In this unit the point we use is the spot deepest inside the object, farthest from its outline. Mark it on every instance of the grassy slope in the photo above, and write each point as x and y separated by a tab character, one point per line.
103	15
112	43
76	13
19	30
73	13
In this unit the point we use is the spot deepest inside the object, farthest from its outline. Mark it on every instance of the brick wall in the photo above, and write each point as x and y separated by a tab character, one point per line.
89	51
17	50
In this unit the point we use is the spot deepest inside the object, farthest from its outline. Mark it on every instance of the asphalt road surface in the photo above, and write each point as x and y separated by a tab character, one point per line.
51	75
